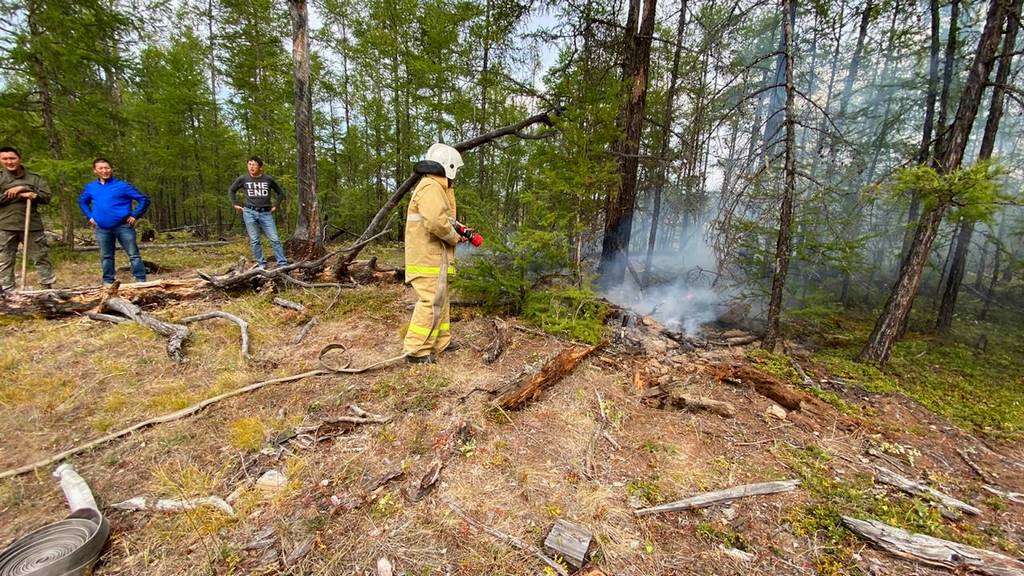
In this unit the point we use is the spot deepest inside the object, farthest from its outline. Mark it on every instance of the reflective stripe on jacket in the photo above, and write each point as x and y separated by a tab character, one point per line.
428	228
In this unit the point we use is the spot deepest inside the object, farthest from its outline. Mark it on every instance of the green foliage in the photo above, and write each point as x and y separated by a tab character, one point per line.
569	312
502	279
973	190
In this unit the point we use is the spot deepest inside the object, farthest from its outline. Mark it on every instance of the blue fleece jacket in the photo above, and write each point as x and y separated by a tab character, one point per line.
110	204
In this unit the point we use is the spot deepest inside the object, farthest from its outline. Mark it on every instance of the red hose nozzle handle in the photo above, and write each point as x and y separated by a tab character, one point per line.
473	236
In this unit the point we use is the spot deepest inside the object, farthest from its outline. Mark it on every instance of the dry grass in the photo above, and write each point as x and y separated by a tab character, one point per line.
64	382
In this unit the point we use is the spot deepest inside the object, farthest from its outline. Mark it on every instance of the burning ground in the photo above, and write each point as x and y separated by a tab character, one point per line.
356	493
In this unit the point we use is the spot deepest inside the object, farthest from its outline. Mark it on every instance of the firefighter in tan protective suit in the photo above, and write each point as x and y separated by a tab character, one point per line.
430	243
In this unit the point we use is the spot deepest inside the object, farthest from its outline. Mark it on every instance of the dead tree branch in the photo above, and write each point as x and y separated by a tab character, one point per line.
176	333
243	326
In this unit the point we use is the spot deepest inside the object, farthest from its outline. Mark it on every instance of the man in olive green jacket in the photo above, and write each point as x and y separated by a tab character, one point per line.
17	186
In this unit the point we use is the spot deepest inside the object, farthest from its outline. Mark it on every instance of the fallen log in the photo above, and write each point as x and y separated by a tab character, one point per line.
243	326
518	392
764	384
677	398
62	302
140	503
914	488
934	551
176	333
1011	496
721	496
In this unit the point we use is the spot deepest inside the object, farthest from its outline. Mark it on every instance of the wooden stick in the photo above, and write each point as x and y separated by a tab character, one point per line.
914	488
188	411
720	496
24	243
243	326
976	467
934	551
602	422
1011	496
305	331
289	304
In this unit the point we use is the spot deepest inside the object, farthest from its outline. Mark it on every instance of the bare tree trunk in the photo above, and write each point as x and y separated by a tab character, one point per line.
772	337
897	308
53	139
982	263
619	209
997	261
948	66
669	116
923	155
830	90
307	242
944	321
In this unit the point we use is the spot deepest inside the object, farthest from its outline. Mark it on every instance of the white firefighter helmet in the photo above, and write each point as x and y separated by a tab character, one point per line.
446	156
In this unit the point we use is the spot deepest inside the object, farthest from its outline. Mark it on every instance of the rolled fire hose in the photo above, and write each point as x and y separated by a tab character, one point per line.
66	548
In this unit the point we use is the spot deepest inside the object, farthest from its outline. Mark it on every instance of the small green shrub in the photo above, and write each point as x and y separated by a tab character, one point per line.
569	312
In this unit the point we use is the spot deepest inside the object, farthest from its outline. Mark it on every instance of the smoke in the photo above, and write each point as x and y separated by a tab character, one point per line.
681	294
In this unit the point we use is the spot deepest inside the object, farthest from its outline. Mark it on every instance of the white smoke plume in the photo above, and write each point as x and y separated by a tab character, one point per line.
681	295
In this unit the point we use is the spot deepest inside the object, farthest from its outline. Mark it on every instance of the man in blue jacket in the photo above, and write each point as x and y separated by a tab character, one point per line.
107	204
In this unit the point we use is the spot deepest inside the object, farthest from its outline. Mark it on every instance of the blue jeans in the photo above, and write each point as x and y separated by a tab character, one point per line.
124	234
254	222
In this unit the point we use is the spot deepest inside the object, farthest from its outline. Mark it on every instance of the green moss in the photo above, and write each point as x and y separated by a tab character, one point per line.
839	362
856	496
774	364
981	391
647	492
569	312
713	533
833	399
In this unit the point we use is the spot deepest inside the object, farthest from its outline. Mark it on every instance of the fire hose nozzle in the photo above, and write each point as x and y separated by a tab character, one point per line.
469	234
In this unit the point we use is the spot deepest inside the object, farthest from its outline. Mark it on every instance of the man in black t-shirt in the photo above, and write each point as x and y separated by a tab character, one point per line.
258	209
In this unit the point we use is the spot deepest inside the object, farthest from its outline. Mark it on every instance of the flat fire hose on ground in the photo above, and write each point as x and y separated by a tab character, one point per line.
69	547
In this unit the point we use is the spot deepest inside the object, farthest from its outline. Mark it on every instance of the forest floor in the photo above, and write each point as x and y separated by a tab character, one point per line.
63	382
